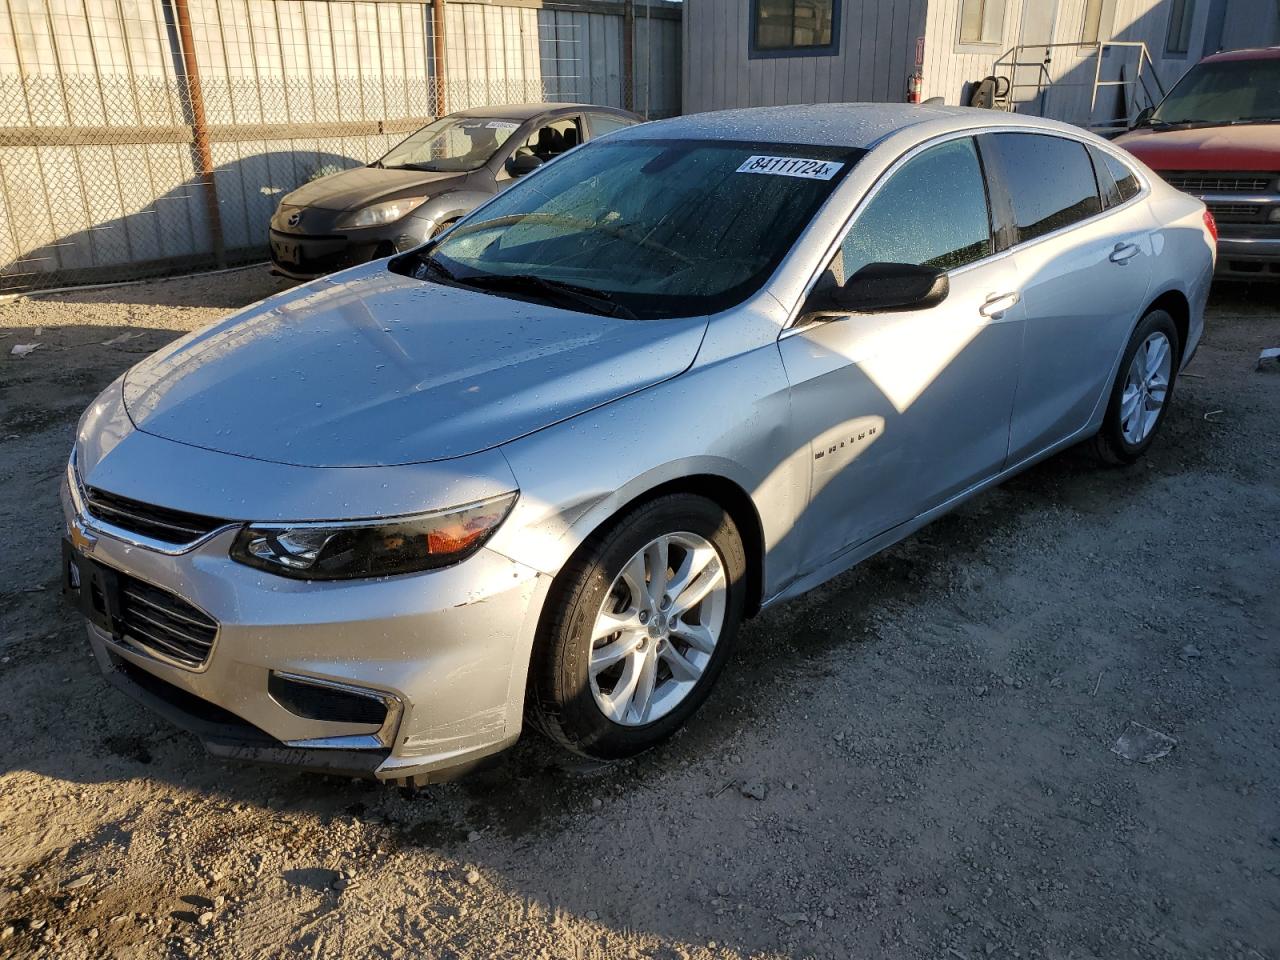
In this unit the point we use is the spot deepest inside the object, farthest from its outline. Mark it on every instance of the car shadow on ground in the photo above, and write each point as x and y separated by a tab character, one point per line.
534	801
115	740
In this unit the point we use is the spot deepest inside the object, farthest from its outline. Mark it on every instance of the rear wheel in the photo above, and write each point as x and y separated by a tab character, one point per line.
638	628
1142	391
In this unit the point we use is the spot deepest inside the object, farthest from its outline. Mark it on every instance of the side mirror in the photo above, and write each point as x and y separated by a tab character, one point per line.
880	287
1143	117
525	163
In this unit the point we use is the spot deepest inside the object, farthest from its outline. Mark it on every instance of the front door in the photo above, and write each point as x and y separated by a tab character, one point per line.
903	409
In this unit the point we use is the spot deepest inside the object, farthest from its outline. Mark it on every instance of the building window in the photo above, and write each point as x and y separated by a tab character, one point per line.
1093	31
789	28
1178	40
982	21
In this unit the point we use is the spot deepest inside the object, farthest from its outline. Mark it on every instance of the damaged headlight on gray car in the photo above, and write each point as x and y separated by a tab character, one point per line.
371	548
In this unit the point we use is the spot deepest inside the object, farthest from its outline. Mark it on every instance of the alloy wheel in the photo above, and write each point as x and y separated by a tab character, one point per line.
657	628
1146	388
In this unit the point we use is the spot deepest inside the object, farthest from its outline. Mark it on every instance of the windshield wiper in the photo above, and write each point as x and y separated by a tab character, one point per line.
596	301
428	266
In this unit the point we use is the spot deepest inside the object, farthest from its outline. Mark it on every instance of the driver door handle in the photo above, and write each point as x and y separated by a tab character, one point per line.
998	303
1124	252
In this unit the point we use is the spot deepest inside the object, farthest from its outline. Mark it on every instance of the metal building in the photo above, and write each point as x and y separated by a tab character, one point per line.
1091	62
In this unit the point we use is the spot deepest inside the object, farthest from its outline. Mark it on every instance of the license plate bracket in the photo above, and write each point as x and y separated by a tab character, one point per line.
91	588
287	252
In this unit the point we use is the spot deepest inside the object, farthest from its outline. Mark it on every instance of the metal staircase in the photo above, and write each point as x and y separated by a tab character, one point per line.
1064	81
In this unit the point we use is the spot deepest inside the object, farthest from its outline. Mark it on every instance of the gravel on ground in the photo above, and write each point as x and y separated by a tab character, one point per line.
925	758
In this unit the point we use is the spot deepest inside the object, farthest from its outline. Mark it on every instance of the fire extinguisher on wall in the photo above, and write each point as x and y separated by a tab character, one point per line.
915	82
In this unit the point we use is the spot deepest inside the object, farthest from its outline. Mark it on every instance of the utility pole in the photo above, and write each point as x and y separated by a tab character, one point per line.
200	129
437	33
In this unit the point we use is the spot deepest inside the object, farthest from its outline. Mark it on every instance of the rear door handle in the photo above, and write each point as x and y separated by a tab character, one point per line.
998	303
1124	252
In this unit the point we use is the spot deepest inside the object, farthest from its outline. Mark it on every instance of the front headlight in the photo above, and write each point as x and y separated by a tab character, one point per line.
371	548
376	214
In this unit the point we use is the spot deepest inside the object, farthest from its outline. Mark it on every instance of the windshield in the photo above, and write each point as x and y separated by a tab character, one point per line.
1224	92
451	144
659	228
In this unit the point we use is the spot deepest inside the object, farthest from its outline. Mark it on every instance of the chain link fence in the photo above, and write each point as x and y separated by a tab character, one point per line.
115	165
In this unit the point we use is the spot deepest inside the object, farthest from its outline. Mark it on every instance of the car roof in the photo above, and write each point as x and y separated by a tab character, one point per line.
1253	53
527	111
832	124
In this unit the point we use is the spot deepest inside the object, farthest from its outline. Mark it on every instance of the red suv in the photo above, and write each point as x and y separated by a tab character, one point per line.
1217	136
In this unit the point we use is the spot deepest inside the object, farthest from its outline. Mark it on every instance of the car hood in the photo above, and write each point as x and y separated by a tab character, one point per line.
372	368
1254	146
361	186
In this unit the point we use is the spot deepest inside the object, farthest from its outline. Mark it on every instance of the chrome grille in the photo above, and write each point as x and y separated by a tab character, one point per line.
1235	212
158	523
165	624
1214	182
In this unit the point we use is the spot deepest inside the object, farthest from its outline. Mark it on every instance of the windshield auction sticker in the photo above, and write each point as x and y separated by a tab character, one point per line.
791	167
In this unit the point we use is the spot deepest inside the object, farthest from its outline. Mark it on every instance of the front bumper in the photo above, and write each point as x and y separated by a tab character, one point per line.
1248	257
446	650
305	257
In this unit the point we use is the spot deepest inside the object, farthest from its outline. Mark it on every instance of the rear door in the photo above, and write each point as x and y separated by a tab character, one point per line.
1084	275
904	409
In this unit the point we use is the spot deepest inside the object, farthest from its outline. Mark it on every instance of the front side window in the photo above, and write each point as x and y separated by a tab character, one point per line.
1178	39
780	27
931	212
546	143
982	21
450	144
661	228
1224	91
1050	181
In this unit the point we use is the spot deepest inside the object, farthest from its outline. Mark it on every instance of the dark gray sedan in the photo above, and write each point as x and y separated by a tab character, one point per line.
425	183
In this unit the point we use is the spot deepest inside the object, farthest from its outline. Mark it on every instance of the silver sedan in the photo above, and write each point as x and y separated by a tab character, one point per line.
545	465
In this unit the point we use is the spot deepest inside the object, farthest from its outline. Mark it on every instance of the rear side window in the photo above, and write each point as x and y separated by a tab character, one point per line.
1126	180
1050	181
932	212
602	123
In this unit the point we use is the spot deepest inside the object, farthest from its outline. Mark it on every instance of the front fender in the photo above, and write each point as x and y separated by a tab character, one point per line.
447	206
578	474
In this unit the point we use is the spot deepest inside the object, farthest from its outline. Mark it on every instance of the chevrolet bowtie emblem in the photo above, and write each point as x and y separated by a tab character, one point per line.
81	538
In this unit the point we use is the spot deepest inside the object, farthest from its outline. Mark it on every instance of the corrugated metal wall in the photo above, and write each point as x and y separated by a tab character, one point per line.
98	171
876	53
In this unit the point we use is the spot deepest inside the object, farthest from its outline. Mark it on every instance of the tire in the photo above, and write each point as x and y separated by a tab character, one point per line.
564	702
443	226
1118	442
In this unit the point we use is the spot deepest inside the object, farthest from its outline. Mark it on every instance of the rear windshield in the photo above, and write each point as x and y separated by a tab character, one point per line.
1223	92
661	227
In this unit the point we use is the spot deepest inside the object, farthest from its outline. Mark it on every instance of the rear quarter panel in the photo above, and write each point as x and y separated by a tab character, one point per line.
1183	255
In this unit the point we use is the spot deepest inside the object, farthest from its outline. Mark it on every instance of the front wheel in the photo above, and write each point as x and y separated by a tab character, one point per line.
638	628
1142	390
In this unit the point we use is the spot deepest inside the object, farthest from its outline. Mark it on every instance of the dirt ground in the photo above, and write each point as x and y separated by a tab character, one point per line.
926	741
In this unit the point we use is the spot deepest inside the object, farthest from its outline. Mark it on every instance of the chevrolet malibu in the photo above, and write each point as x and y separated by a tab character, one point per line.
544	465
